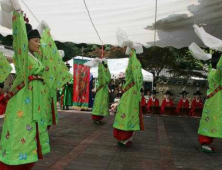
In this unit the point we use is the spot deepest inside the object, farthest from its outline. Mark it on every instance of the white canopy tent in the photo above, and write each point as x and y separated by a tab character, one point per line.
69	20
116	66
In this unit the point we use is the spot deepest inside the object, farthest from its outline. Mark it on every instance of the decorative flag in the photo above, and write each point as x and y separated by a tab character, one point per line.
81	79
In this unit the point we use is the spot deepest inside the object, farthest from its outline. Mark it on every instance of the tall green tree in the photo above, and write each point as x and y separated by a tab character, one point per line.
179	62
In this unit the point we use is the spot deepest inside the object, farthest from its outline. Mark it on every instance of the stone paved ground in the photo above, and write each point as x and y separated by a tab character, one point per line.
167	143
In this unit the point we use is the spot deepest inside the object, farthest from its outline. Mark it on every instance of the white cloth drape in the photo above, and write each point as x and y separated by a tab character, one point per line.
209	40
124	41
7	7
198	53
95	62
42	26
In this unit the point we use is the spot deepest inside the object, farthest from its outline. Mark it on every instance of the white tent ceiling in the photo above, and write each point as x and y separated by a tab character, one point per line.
69	20
116	66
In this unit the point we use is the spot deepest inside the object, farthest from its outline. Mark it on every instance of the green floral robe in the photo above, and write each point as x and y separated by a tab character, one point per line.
56	73
68	94
211	120
26	109
127	116
101	102
5	68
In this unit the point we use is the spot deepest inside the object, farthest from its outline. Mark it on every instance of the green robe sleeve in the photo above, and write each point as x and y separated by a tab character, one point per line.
5	68
108	75
101	75
64	77
136	72
219	70
209	68
20	44
56	73
219	65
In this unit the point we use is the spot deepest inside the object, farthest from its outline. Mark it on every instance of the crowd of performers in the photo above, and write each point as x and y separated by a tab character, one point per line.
150	103
128	117
30	105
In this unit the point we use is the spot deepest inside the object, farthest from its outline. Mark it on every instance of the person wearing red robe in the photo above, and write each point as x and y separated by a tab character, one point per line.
143	102
153	101
167	102
148	95
196	103
183	102
3	102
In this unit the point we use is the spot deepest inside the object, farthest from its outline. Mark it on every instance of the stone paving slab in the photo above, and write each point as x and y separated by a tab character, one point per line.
168	143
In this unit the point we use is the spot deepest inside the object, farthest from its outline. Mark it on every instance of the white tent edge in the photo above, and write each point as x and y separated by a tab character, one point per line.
116	66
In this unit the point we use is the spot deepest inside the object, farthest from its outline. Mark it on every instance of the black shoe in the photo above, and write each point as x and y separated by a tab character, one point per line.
121	144
128	144
98	122
208	149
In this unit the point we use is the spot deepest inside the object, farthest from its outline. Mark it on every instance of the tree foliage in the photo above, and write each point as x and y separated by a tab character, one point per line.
7	40
179	62
109	52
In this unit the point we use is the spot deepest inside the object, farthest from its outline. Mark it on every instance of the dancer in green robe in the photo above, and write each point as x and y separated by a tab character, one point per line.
68	94
128	117
24	137
101	103
211	120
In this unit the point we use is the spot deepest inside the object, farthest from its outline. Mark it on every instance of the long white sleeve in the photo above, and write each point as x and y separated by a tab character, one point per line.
198	53
124	41
42	26
209	40
7	7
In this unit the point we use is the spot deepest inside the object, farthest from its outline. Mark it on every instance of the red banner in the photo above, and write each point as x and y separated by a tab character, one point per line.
81	79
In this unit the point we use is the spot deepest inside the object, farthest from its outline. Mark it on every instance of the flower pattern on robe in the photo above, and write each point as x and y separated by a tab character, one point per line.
101	102
18	137
211	120
127	116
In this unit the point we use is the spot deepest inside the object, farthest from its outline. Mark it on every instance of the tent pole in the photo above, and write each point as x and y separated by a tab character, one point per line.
155	25
12	77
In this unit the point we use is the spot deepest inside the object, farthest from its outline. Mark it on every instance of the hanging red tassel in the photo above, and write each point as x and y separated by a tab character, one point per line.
26	18
102	53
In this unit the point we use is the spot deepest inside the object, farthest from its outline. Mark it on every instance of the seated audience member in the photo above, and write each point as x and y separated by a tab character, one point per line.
153	101
183	102
197	103
167	102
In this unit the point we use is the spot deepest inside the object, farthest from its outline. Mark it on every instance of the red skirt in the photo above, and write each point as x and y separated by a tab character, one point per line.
28	166
97	118
205	140
3	104
141	119
122	135
2	109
